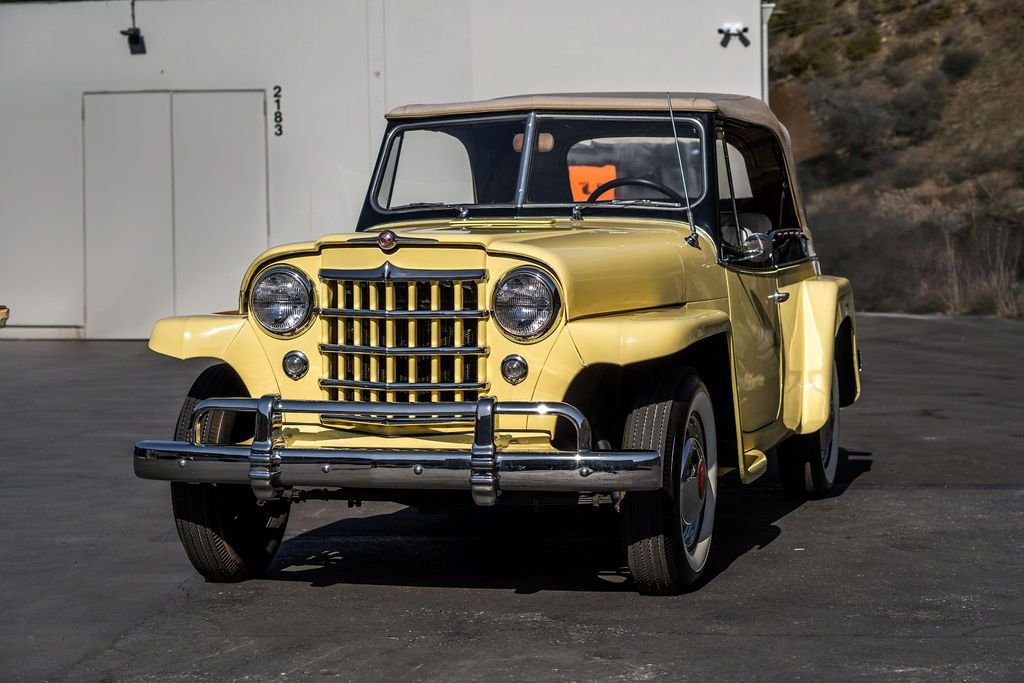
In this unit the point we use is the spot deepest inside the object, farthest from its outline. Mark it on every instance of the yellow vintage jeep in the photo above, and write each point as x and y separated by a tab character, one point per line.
553	299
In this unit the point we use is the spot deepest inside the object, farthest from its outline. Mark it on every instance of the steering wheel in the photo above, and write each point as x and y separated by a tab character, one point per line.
639	182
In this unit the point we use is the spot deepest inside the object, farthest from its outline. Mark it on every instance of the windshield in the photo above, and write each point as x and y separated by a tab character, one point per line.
607	160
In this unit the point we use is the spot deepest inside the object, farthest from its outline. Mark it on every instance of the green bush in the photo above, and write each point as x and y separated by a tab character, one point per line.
928	16
959	62
937	12
862	46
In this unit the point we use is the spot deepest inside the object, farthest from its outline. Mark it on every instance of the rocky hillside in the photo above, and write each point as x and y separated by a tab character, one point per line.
908	123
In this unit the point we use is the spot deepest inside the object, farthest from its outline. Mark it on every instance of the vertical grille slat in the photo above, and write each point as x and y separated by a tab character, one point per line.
460	362
373	316
435	339
357	337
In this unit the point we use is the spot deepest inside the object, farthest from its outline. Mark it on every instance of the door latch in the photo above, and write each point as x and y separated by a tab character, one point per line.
779	297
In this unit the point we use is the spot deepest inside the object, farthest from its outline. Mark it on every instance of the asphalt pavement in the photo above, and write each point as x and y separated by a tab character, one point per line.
911	571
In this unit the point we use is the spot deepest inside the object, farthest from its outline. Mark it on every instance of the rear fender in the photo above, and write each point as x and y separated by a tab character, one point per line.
810	320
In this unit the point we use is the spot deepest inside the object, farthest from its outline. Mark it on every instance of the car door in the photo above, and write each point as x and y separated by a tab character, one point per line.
757	344
754	298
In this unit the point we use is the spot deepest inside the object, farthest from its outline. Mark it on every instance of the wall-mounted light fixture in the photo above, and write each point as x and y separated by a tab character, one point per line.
136	43
727	32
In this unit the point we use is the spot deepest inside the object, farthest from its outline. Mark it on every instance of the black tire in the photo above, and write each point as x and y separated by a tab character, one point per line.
226	534
809	463
667	555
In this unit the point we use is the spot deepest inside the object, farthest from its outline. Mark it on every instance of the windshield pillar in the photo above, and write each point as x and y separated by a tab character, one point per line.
529	145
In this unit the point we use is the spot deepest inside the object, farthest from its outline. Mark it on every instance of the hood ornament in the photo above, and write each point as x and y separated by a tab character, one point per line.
387	240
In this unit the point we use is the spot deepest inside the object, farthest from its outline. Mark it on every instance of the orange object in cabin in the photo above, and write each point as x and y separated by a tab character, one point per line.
586	179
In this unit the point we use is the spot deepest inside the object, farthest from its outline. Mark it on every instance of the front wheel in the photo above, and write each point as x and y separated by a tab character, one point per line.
227	534
808	463
667	533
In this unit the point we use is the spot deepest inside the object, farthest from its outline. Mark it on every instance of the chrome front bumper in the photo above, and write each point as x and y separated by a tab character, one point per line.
271	470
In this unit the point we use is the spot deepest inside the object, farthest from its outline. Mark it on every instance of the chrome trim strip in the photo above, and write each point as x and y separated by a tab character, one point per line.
406	350
408	420
390	273
399	242
403	386
398	314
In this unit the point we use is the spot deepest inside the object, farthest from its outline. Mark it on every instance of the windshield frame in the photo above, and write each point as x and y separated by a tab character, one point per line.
373	215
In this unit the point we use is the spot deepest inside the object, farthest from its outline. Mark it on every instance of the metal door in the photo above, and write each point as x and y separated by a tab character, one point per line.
129	268
175	204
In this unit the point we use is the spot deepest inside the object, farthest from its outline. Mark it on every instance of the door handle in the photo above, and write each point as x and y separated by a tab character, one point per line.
779	297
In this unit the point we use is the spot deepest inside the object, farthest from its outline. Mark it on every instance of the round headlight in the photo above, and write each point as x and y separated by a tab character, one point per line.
526	303
282	300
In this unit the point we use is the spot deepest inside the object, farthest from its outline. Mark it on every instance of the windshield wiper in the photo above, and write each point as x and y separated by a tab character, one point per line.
577	209
463	211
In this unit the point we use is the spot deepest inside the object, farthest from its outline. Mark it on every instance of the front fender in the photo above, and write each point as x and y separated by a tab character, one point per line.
229	338
634	337
810	321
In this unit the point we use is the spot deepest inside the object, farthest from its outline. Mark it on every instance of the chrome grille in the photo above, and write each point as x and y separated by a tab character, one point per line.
401	335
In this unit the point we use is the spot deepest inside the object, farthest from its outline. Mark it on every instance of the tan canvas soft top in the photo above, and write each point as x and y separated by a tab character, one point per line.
739	107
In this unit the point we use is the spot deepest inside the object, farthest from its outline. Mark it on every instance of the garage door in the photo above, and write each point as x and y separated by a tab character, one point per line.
175	205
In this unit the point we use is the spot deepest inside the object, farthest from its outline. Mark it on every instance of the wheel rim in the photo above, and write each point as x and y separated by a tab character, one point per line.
698	484
828	447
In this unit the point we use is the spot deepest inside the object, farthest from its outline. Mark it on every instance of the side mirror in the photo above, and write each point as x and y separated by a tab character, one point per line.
757	247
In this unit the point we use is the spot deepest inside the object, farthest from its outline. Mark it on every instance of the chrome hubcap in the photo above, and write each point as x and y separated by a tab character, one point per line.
693	482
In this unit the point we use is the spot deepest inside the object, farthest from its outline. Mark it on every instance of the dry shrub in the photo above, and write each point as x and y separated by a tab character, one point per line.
917	109
903	51
970	260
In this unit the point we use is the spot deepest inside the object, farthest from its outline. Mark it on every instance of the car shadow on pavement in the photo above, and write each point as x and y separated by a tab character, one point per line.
511	548
748	515
521	549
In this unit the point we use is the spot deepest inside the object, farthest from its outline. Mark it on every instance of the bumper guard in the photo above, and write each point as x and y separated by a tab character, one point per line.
485	471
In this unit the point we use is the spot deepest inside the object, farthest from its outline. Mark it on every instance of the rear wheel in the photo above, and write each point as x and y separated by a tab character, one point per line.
808	463
227	534
667	533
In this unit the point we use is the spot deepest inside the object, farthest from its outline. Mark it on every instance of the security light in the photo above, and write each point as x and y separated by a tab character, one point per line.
136	43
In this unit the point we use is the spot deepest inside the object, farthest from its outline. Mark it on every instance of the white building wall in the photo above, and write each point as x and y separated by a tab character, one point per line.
341	64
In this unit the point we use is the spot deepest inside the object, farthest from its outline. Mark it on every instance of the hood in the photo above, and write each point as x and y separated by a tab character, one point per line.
603	265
